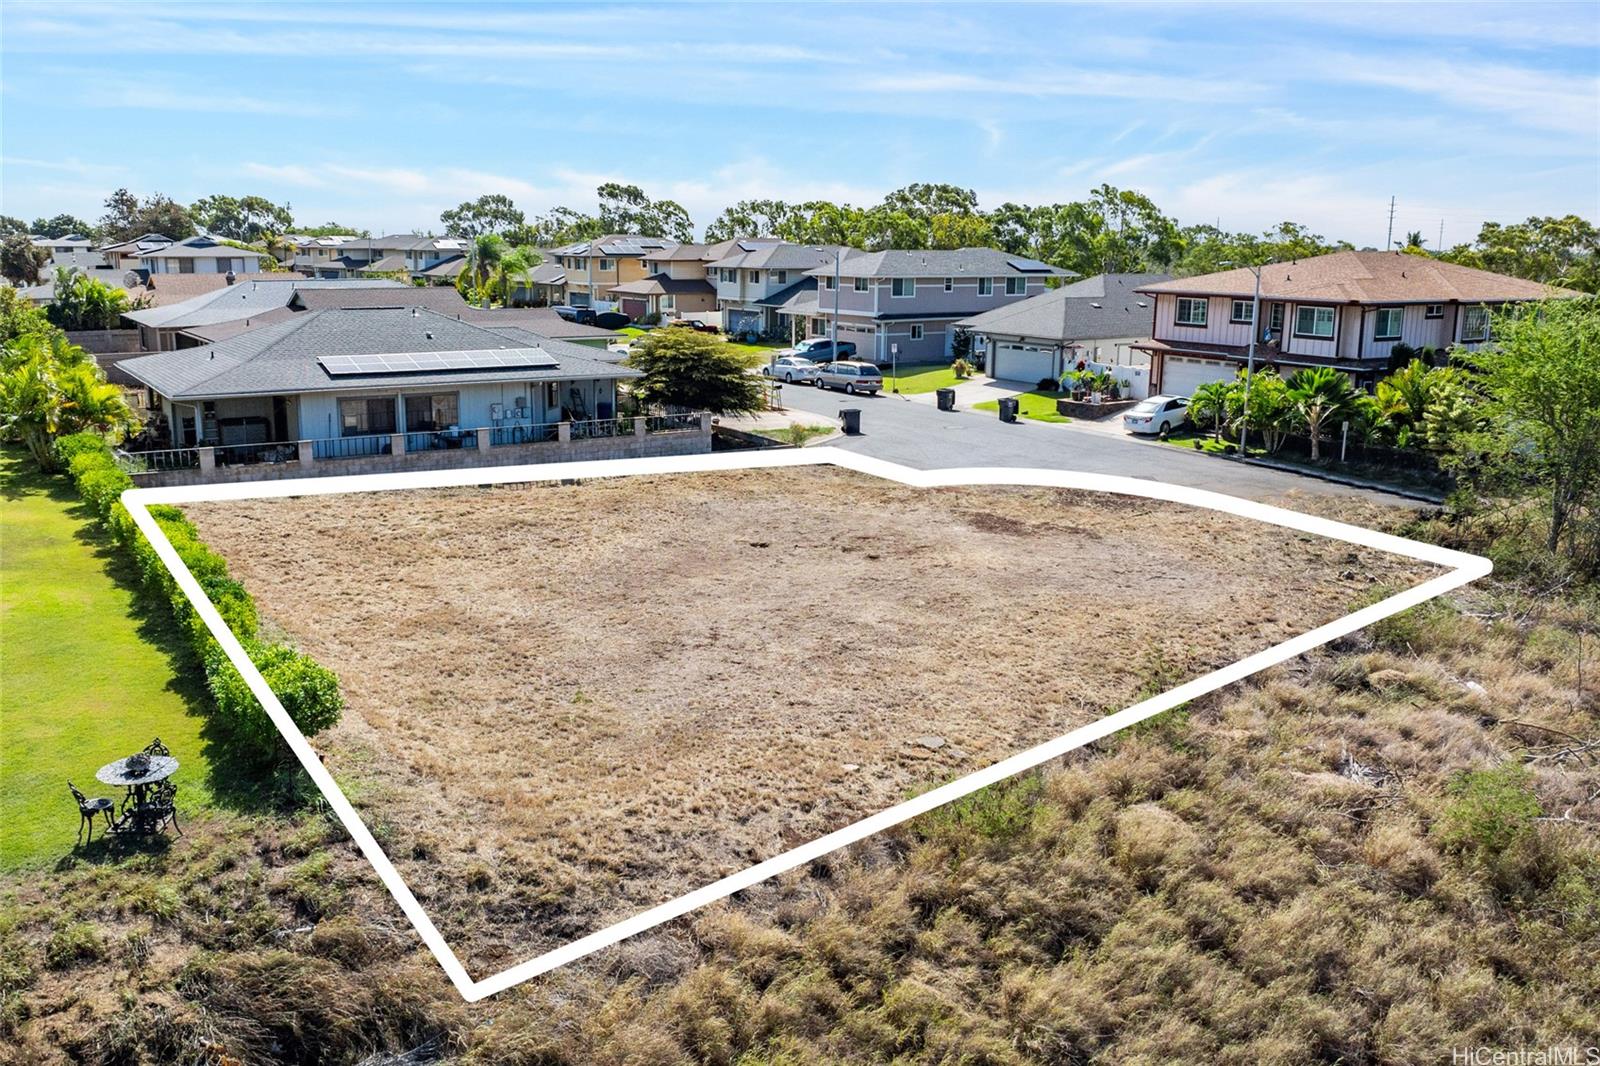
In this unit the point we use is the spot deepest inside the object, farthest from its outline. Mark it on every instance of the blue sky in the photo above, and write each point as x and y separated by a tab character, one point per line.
380	116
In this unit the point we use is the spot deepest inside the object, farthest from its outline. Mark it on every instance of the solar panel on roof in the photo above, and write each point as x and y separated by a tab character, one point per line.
437	362
1028	266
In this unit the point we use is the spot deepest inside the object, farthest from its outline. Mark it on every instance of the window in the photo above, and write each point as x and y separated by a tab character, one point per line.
605	264
1275	318
949	284
755	277
863	284
725	274
903	287
1243	311
1191	311
666	302
366	414
916	331
985	286
829	282
1386	323
430	412
1434	311
1316	322
781	277
1016	286
1475	324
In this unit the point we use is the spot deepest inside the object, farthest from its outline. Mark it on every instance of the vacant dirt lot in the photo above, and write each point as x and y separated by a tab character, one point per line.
569	702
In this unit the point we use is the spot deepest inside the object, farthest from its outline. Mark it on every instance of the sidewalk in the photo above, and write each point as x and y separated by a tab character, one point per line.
769	420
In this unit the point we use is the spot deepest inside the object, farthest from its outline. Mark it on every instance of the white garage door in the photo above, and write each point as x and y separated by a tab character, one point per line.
1182	375
864	338
1021	362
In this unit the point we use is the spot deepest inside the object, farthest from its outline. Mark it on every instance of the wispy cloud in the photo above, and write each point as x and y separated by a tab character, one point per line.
205	101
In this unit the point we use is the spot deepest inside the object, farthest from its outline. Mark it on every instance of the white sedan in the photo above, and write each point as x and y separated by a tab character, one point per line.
1158	414
791	368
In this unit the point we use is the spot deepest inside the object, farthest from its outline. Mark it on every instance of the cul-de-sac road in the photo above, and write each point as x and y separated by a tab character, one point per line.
916	433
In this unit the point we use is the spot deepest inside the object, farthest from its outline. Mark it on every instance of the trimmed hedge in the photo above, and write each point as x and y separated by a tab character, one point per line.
307	690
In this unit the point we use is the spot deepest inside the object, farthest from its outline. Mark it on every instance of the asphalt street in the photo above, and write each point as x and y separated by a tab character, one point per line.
918	434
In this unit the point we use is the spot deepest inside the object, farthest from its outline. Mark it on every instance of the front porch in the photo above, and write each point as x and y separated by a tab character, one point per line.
382	453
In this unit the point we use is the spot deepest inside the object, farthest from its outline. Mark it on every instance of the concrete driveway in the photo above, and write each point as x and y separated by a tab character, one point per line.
917	434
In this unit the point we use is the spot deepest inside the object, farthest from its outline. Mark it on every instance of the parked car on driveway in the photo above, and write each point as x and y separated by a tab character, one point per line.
694	324
791	368
611	320
1158	414
851	376
583	315
821	349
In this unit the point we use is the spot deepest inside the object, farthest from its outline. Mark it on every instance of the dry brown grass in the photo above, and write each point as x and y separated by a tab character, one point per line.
570	702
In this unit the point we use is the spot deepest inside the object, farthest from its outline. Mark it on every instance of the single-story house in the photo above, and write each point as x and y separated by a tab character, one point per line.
234	308
333	375
1095	320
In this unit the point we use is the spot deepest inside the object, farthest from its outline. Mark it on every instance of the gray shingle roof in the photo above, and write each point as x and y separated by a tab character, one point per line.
942	263
785	295
780	256
242	300
1106	305
283	357
617	246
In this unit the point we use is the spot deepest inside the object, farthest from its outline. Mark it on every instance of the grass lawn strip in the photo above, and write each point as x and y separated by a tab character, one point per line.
1034	404
88	673
915	379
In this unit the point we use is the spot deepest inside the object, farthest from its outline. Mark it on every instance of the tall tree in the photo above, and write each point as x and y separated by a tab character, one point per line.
924	200
61	226
128	217
246	218
21	260
1540	379
10	224
491	213
1557	251
755	218
1321	396
626	209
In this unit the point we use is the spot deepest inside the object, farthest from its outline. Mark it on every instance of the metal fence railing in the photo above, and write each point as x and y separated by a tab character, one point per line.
247	454
602	427
352	447
158	459
441	440
538	433
672	423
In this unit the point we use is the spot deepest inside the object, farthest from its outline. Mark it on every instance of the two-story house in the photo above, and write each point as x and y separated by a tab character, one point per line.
124	255
395	253
674	284
1347	310
757	280
902	305
595	267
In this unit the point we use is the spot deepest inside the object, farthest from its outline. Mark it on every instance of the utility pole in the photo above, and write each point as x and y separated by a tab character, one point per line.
1388	242
1440	246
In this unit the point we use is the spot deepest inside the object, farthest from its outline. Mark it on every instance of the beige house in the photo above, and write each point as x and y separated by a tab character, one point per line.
593	268
674	284
1347	310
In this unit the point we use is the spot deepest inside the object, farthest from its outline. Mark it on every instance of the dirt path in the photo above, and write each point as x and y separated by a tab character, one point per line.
571	702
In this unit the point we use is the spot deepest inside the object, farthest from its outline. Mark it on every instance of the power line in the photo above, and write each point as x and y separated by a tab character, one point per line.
1388	242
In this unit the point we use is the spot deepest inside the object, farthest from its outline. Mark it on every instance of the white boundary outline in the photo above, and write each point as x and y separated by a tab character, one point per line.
1462	568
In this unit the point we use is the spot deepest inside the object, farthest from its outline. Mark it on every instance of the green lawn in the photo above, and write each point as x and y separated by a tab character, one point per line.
90	672
920	379
1039	406
757	354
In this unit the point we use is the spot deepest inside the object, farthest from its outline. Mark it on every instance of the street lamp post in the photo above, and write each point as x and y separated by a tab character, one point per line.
1250	357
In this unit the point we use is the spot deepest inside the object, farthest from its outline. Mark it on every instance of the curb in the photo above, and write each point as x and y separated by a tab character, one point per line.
1355	483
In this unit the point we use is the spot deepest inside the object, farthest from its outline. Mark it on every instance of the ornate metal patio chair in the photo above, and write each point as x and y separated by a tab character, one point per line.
88	808
155	747
159	808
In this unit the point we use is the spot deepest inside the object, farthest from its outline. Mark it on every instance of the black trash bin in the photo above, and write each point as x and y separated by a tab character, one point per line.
947	399
1008	409
851	416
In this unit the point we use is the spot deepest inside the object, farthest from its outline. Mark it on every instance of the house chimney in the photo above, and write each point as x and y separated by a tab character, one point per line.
231	277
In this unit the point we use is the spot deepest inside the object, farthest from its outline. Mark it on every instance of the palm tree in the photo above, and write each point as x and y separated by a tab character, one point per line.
1320	395
41	400
1210	402
483	258
518	265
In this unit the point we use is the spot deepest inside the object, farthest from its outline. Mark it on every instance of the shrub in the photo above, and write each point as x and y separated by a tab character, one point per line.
308	691
1490	811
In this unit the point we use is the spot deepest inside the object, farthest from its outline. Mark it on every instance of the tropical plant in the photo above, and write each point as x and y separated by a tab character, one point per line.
484	255
1320	395
1210	403
1269	411
21	260
1417	397
961	369
42	398
518	266
82	302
